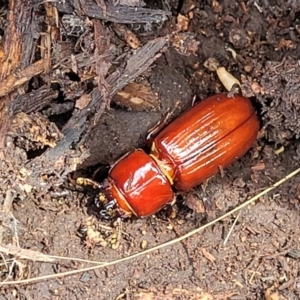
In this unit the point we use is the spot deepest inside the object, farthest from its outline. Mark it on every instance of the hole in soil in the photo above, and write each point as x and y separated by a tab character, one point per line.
31	154
297	15
73	76
59	111
283	82
180	4
257	107
60	120
98	172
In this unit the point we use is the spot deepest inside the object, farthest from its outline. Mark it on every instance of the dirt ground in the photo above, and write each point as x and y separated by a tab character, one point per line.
252	254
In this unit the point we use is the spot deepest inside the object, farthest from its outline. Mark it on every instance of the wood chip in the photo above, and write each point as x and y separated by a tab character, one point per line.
83	101
137	97
272	294
207	255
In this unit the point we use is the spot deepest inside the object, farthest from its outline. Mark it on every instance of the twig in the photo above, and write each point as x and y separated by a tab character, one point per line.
25	253
231	229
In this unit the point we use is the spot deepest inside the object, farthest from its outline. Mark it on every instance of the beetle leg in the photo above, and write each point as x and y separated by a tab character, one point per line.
116	236
173	201
88	182
152	132
172	209
172	212
105	214
109	210
101	201
235	89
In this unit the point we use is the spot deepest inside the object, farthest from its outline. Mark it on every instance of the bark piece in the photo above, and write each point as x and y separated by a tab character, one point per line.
72	131
18	52
34	100
137	97
34	130
102	41
13	81
137	3
127	35
121	14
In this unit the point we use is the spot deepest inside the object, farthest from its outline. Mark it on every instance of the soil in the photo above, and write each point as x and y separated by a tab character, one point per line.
252	254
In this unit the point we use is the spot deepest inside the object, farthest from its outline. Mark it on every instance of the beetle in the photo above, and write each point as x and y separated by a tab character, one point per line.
204	139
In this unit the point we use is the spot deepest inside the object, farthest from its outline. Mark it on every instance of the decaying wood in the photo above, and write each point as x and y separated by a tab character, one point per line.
13	81
137	64
50	36
116	13
36	129
102	5
5	119
102	41
95	60
18	40
135	3
72	131
124	33
33	101
18	52
137	97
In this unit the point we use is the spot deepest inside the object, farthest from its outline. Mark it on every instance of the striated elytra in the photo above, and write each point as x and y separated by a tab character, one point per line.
196	145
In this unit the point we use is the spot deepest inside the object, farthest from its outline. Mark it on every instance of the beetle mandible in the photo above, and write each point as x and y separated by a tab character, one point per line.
209	136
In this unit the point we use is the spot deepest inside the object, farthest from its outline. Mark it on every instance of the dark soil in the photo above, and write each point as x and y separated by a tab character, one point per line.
262	251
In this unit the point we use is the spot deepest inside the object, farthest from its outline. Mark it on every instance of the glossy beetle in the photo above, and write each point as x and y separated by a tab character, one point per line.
207	137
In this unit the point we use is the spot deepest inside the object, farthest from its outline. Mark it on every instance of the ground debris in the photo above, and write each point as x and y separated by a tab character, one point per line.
34	131
137	97
25	253
277	88
63	65
272	294
120	13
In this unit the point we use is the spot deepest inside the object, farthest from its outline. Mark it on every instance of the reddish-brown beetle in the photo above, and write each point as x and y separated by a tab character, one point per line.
207	137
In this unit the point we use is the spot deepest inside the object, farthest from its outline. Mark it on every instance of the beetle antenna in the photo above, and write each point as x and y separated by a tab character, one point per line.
89	182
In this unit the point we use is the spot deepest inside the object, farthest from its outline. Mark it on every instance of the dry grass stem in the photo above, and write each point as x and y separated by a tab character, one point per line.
172	242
